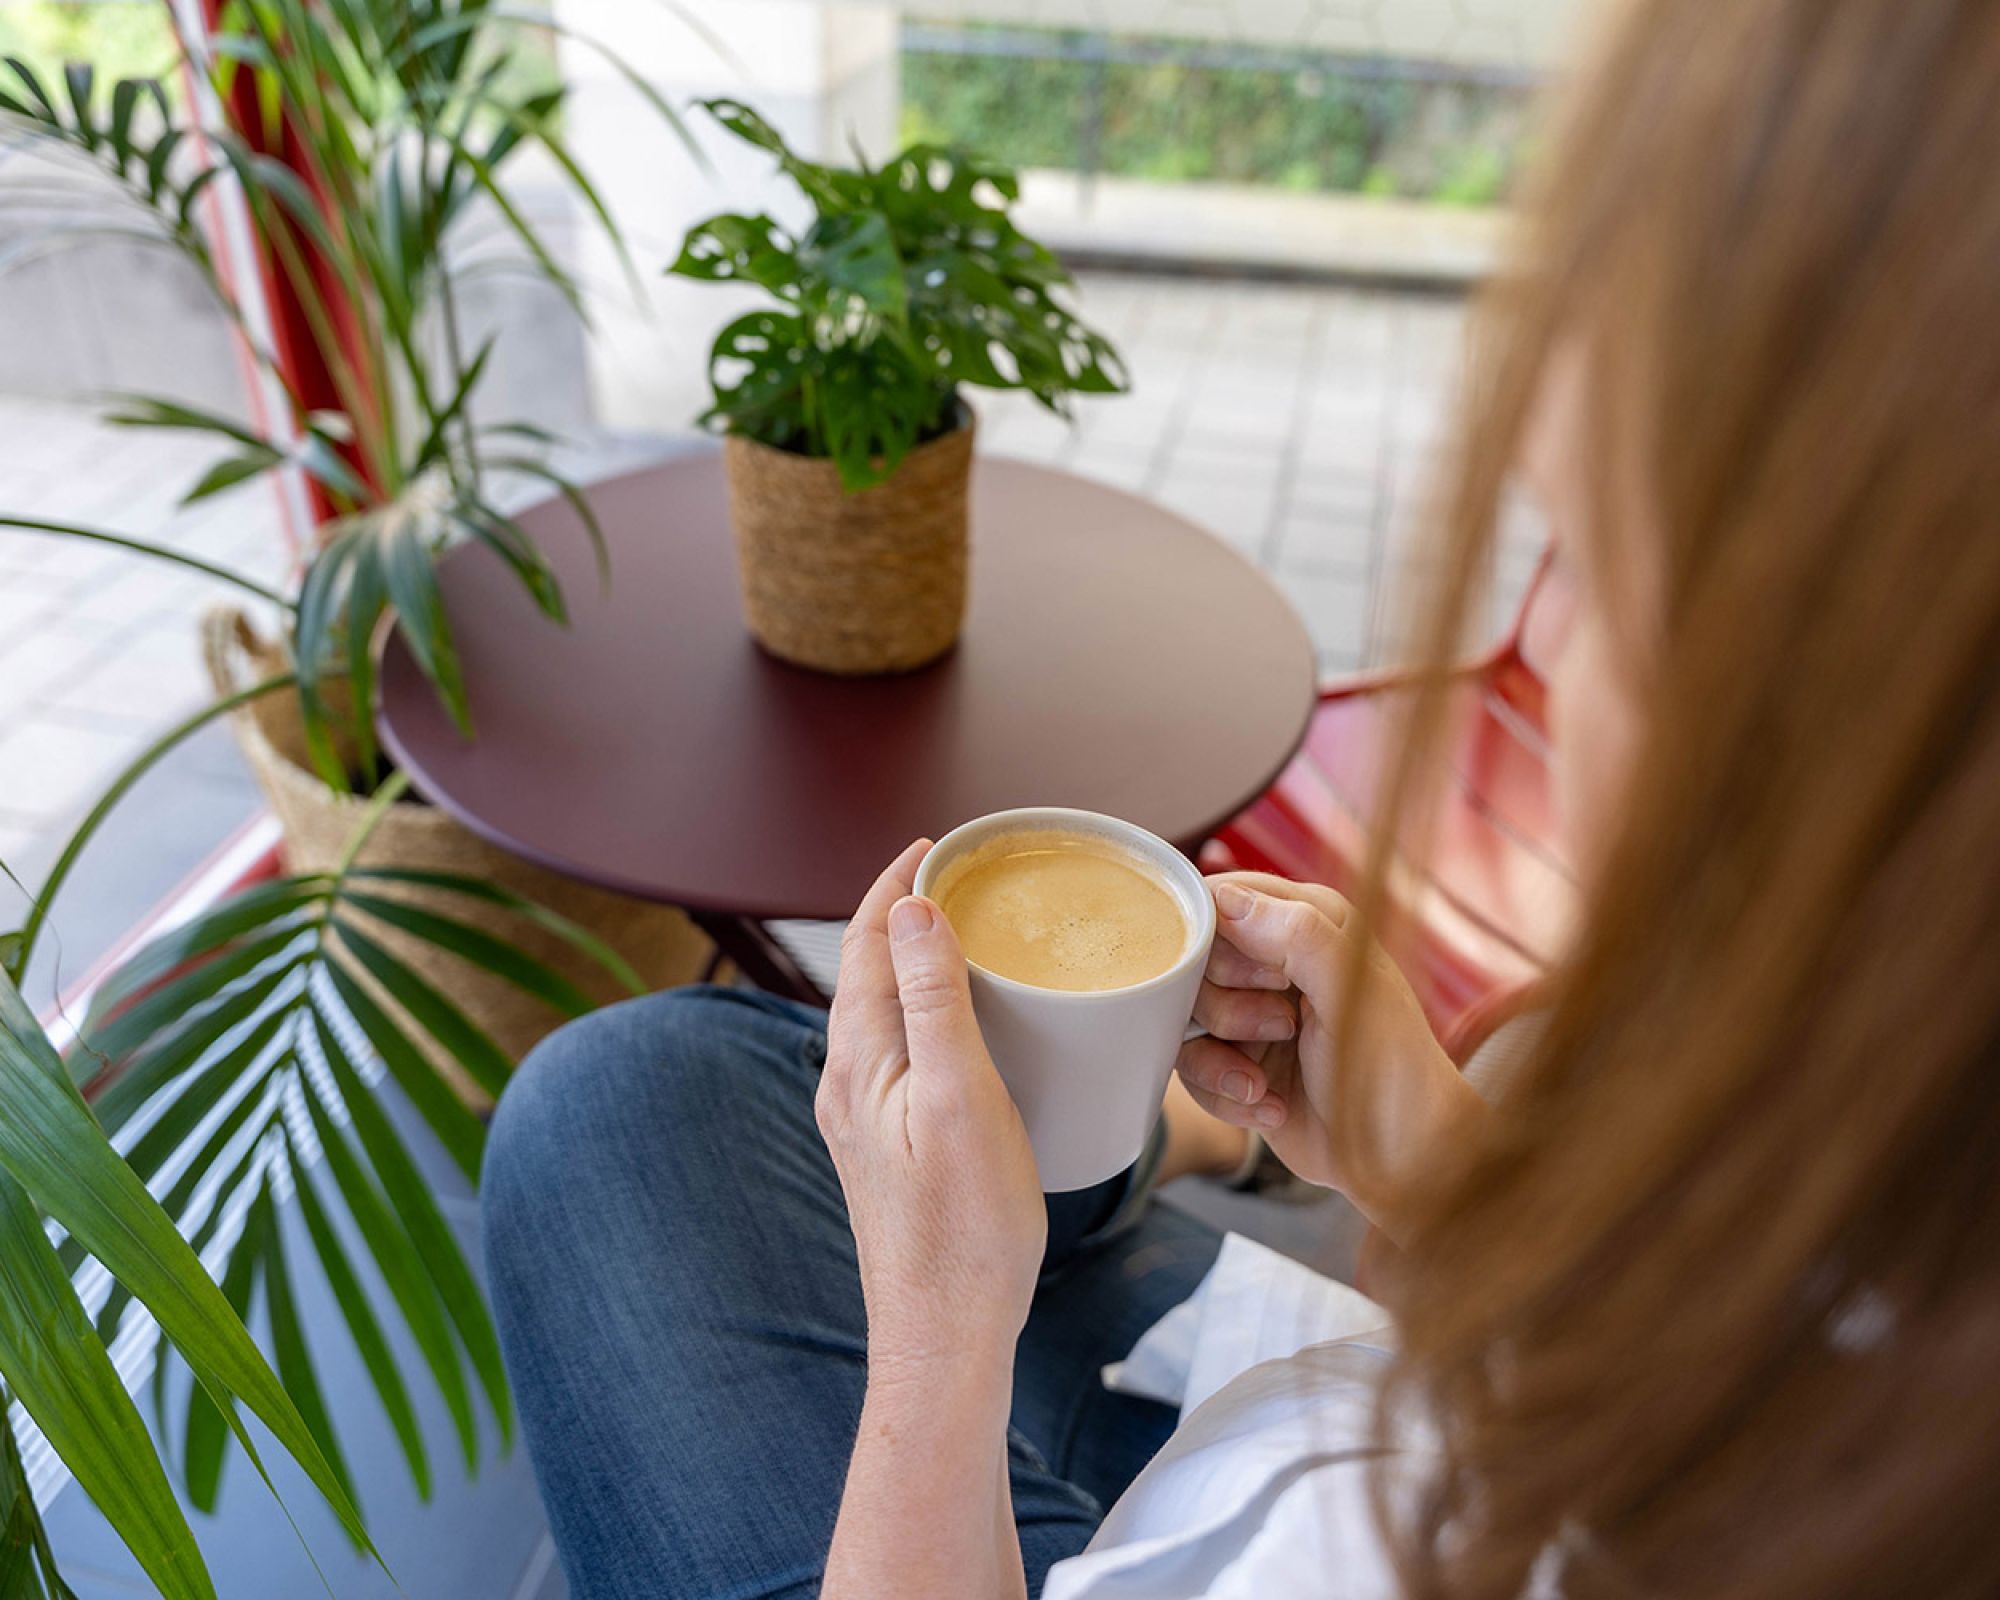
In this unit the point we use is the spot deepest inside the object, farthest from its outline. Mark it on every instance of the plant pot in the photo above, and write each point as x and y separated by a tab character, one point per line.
859	583
660	943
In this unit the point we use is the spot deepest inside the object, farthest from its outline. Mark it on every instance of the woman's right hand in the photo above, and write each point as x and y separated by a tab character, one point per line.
1372	1126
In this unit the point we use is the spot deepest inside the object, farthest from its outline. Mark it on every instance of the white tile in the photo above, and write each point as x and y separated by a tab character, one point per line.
48	769
1317	539
1037	435
1349	496
53	562
1123	469
23	849
1336	611
1181	317
1278	315
1123	422
20	609
153	677
1339	452
1249	444
57	650
140	591
1235	508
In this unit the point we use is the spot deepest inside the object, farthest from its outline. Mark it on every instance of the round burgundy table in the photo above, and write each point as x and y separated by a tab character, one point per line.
1115	657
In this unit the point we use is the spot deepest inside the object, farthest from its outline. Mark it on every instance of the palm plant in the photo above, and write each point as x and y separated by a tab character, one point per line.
234	1059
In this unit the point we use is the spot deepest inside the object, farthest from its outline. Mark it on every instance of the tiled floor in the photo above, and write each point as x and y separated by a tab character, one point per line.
1299	424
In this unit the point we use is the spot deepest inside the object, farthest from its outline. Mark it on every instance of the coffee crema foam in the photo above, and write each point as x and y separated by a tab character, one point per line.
1062	910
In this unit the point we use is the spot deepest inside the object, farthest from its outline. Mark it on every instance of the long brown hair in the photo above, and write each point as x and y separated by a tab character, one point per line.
1716	1312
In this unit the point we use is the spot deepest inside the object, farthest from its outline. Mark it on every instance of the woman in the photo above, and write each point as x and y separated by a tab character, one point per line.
1709	1304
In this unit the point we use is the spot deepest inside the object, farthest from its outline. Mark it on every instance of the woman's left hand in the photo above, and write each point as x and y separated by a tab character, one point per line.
941	1188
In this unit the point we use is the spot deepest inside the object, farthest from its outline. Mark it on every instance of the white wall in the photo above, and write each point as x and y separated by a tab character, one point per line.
822	73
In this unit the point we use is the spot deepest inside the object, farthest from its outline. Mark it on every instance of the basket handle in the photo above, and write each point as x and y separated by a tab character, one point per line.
227	635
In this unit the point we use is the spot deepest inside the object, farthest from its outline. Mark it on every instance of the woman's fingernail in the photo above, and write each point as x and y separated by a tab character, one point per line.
1238	1086
1275	1028
1268	1114
910	918
1233	900
1270	978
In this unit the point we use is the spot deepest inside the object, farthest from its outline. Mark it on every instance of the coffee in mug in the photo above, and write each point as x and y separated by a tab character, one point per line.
1085	940
1062	910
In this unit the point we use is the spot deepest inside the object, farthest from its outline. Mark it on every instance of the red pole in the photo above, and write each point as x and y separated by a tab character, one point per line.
296	346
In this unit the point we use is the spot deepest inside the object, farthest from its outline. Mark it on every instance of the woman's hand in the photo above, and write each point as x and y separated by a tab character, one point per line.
941	1188
949	1226
1371	1126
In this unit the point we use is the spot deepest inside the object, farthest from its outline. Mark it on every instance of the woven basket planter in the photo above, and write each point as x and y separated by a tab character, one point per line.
659	942
852	583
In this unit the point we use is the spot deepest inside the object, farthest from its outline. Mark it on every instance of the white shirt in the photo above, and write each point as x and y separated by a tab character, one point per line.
1263	1490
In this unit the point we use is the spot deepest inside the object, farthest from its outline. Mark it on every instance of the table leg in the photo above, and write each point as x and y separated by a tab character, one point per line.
759	957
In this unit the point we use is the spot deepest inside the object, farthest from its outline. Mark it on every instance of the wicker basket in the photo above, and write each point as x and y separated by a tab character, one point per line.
660	943
852	583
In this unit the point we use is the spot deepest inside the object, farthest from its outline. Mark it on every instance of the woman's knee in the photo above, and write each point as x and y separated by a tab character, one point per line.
634	1083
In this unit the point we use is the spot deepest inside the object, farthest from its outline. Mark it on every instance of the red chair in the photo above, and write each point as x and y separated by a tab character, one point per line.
1484	906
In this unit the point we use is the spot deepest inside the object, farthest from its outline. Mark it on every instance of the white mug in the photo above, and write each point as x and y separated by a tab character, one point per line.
1088	1069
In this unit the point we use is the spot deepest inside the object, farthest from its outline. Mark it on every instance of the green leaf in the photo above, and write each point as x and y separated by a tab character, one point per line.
327	581
229	472
402	1269
80	77
157	552
178	1001
145	411
463	1039
573	933
23	1520
18	1580
552	271
367	1333
411	579
367	598
826	187
425	1224
124	101
261	905
175	1202
157	160
856	266
433	446
202	1094
248	1169
151	1068
288	1340
58	1369
476	945
55	1151
205	1438
33	85
730	246
508	539
575	498
461	1133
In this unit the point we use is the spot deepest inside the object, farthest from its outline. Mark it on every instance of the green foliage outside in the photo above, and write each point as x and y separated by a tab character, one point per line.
135	39
132	40
1308	131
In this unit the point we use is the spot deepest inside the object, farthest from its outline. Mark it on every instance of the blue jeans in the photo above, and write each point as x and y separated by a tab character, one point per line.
677	1297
